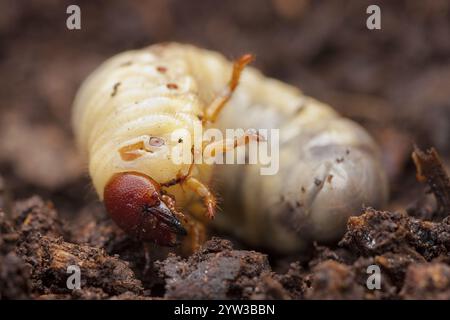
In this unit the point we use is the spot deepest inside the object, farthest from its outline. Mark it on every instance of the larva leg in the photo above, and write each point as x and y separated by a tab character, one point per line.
202	190
213	110
196	237
180	177
195	229
225	145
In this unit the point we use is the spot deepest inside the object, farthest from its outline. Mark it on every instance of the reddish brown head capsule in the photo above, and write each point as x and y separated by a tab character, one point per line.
134	202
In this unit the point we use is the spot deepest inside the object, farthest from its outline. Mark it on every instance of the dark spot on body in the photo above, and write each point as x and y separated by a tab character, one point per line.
329	178
115	89
172	86
339	160
126	64
161	69
180	140
347	152
317	181
303	189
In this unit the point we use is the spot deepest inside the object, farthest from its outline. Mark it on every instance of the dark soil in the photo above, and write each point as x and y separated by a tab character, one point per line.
394	81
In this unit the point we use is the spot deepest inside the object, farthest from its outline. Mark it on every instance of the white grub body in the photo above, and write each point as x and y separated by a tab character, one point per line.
329	165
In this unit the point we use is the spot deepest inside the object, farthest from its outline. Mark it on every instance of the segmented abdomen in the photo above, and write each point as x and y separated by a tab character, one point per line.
131	97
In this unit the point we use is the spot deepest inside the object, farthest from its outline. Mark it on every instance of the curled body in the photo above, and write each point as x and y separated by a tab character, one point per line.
126	111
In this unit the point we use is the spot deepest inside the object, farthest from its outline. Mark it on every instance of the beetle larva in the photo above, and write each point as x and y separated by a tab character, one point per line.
126	111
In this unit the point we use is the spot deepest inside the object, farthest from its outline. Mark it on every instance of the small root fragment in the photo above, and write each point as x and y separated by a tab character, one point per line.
431	170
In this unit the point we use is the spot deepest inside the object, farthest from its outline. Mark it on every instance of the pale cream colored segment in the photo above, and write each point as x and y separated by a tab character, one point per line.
142	72
113	121
149	110
89	87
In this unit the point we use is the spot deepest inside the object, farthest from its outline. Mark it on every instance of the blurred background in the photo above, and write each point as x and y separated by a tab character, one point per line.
394	81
